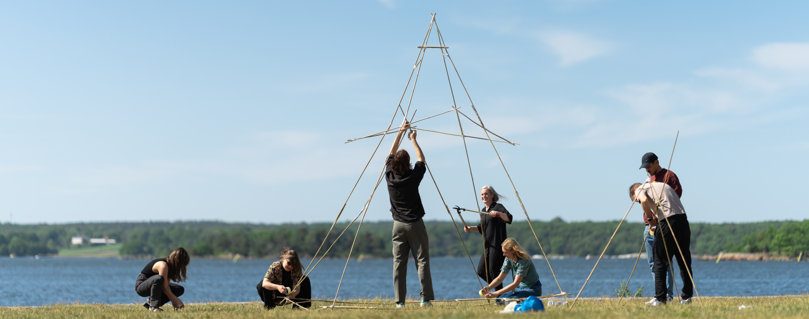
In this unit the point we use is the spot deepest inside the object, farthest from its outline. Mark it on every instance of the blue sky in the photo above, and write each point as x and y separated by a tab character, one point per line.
238	111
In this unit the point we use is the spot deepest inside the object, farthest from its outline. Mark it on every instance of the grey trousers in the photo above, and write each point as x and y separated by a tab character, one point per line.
152	287
409	237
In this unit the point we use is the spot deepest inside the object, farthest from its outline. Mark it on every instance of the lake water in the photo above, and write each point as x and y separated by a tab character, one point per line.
31	282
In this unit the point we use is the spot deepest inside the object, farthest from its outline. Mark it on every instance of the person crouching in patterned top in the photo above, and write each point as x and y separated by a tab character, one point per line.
281	280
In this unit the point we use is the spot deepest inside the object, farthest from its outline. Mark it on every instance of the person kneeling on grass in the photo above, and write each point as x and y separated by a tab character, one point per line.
153	280
280	284
526	280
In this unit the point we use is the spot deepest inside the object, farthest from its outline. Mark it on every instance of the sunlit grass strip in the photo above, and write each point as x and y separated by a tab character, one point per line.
93	251
704	307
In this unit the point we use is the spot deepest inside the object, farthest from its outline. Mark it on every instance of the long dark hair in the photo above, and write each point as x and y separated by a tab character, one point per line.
177	261
400	164
291	255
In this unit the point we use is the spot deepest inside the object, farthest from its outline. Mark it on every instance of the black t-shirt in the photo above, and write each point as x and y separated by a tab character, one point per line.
494	229
286	278
405	201
148	269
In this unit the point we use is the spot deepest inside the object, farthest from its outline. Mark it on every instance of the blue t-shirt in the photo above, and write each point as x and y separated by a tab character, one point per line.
524	268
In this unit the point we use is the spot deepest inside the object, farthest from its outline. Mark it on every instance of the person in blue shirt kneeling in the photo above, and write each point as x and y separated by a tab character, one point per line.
526	280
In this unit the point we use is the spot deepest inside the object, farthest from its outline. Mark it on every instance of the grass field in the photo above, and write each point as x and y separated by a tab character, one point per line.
94	251
708	307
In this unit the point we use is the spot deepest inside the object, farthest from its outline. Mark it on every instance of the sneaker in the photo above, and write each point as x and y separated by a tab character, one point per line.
669	298
655	303
155	309
426	303
400	304
685	301
651	301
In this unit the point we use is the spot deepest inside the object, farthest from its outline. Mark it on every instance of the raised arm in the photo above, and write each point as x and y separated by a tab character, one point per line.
398	139
419	153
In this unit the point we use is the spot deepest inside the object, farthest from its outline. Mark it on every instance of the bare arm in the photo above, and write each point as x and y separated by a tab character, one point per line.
162	268
648	208
497	281
267	284
398	139
471	229
510	287
419	153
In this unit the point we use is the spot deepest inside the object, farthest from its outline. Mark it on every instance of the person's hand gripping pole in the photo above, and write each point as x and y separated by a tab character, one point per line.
458	210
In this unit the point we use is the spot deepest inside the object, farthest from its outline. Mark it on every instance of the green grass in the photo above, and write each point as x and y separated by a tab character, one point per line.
708	307
93	251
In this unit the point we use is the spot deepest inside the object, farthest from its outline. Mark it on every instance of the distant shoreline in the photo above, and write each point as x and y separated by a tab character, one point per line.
719	257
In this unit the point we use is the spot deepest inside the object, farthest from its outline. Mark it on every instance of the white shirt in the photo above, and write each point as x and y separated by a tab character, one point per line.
665	198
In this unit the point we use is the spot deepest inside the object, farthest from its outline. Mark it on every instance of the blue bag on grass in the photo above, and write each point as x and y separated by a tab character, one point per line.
530	304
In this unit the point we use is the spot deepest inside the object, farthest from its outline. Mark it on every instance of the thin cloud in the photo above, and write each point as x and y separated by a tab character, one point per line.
775	67
540	116
801	146
748	78
390	4
572	47
568	5
660	99
266	157
784	56
497	26
20	169
656	110
326	83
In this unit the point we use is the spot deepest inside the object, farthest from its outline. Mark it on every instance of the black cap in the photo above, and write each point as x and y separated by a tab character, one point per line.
647	159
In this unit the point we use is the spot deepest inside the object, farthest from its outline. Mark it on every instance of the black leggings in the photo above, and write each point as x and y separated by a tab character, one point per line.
272	298
152	287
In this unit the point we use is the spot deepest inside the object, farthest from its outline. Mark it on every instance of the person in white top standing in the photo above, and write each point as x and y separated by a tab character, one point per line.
662	207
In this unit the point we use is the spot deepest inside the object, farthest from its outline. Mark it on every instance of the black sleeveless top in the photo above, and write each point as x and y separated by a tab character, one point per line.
148	269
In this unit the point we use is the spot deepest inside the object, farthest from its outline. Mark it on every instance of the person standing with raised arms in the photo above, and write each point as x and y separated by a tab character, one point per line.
409	233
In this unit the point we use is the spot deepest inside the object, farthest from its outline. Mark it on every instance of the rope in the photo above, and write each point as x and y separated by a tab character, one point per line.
419	60
390	124
657	203
364	212
394	130
356	234
309	271
413	78
295	303
642	245
455	225
602	255
422	51
487	130
516	193
444	54
676	243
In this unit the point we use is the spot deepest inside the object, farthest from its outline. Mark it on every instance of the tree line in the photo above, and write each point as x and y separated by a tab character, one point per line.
558	237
